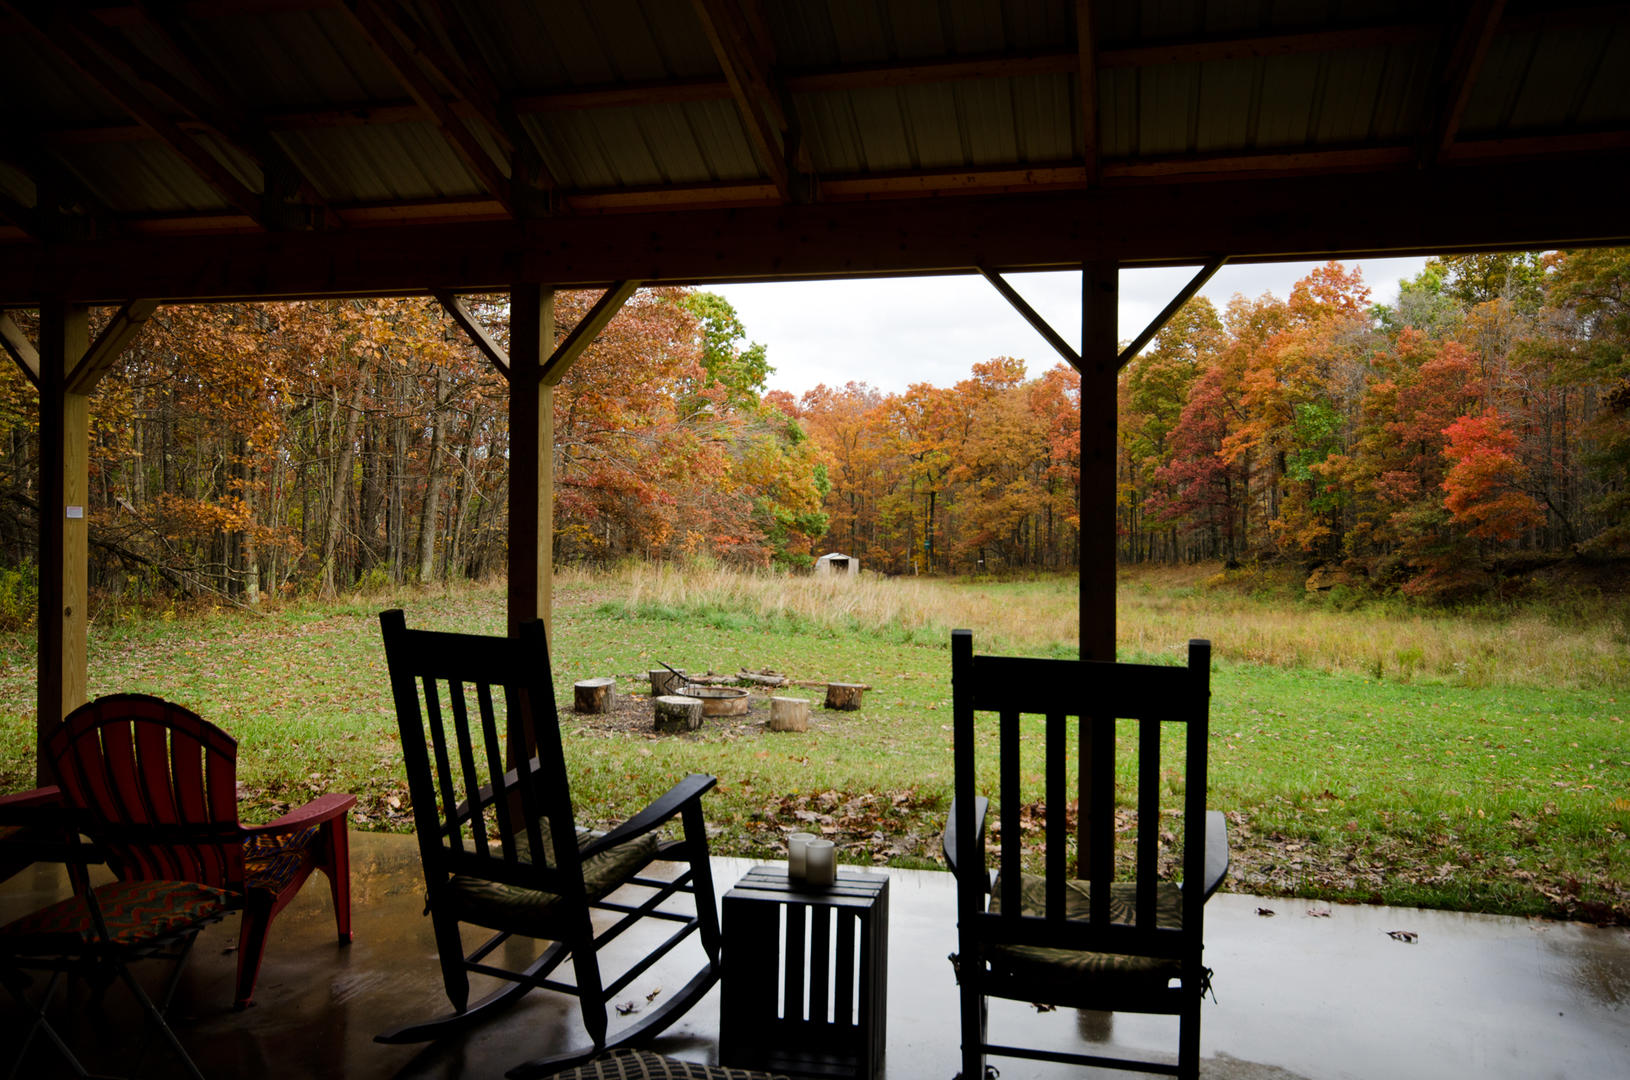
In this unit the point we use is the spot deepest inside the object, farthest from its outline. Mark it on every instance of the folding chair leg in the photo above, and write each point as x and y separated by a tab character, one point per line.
156	1019
183	952
40	1023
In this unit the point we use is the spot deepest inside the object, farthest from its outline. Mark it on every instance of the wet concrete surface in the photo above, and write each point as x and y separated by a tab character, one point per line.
1298	996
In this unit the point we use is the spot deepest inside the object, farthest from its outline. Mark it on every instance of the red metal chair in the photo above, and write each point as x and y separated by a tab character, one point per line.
132	759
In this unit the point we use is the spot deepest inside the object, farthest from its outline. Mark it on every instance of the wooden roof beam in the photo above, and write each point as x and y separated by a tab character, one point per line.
1461	65
125	327
1087	86
371	21
479	336
1184	295
751	87
584	333
1033	317
64	36
20	349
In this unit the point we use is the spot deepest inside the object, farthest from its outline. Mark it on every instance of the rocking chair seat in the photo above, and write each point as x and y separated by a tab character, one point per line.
499	906
134	911
1067	973
644	1065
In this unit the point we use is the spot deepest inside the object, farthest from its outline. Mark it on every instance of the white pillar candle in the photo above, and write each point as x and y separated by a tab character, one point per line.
820	862
796	844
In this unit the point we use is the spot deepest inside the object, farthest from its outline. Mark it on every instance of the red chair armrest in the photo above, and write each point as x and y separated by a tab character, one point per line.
318	810
41	796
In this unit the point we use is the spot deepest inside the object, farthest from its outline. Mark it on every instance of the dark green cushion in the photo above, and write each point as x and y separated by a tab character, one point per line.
498	906
644	1065
1062	972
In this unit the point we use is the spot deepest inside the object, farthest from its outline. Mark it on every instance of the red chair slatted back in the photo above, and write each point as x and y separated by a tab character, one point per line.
162	783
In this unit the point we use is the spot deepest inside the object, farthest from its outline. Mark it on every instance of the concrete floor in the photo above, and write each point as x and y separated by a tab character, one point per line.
1297	996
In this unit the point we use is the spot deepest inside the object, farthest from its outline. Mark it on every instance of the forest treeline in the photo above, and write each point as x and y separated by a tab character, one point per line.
241	450
1482	417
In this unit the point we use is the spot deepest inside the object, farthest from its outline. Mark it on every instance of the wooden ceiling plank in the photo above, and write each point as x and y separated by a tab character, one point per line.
432	55
478	334
126	326
1033	317
1184	295
747	87
375	28
20	349
1087	86
1459	75
584	333
76	50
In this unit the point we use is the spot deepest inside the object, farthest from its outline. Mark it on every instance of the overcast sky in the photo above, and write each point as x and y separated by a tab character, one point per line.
896	331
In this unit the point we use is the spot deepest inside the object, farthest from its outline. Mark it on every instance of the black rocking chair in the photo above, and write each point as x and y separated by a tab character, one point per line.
491	839
1122	946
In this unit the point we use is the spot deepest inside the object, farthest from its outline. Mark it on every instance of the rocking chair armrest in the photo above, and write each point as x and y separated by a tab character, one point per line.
675	799
1216	851
949	840
49	795
317	811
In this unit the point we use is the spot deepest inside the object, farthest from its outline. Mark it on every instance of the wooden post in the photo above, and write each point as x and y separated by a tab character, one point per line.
531	470
63	554
1100	301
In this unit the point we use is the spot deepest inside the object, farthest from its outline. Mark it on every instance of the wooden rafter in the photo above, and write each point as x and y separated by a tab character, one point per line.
478	334
1461	66
231	119
1184	295
65	38
584	333
371	21
125	327
751	87
1033	317
19	348
1087	86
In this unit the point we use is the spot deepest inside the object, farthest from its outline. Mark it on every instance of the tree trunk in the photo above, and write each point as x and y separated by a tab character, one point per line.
677	714
339	492
594	695
432	490
789	714
844	695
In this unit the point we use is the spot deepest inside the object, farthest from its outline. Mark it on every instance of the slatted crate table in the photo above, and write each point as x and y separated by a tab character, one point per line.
805	974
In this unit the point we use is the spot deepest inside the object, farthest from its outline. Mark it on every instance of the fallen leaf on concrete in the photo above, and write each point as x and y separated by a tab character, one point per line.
1319	912
1265	912
1407	936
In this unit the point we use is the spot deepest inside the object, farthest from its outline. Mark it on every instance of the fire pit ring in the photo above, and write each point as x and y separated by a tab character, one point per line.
719	700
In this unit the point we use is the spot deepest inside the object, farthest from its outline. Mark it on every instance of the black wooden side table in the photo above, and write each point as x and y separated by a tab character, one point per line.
805	974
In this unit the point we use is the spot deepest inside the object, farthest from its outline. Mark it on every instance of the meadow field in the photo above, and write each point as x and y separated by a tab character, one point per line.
1476	760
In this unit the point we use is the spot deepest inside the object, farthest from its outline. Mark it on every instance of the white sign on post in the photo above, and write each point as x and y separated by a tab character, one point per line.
76	511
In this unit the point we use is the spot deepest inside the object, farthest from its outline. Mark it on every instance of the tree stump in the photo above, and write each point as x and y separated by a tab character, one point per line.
789	714
842	695
594	695
675	713
664	681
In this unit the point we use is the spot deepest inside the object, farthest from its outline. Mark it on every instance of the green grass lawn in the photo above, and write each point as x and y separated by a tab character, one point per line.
1434	784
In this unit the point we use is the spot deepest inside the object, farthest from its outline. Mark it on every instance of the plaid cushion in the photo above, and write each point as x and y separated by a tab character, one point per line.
644	1065
135	912
528	911
270	860
1064	970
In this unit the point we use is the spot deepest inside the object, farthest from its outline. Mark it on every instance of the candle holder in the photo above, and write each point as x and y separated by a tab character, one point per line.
820	863
796	846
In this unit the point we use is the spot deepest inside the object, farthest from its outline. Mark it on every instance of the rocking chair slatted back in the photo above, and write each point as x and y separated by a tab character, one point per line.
466	822
140	762
1062	691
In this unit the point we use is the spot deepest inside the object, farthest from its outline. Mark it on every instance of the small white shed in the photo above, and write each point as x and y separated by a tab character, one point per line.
837	563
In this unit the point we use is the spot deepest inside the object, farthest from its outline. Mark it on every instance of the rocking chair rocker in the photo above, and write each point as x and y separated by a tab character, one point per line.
491	839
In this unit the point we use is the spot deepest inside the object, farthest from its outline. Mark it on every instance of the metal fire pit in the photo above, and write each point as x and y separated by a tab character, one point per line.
719	700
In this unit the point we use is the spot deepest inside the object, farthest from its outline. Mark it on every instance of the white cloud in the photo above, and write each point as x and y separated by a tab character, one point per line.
893	332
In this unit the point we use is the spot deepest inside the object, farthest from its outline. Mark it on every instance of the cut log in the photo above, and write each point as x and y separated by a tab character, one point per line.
664	681
762	678
842	695
789	714
675	713
594	695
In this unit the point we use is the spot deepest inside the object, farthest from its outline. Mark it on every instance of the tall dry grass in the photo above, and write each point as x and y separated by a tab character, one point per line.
1585	645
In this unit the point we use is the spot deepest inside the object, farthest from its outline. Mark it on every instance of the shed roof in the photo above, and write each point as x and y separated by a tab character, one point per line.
304	147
